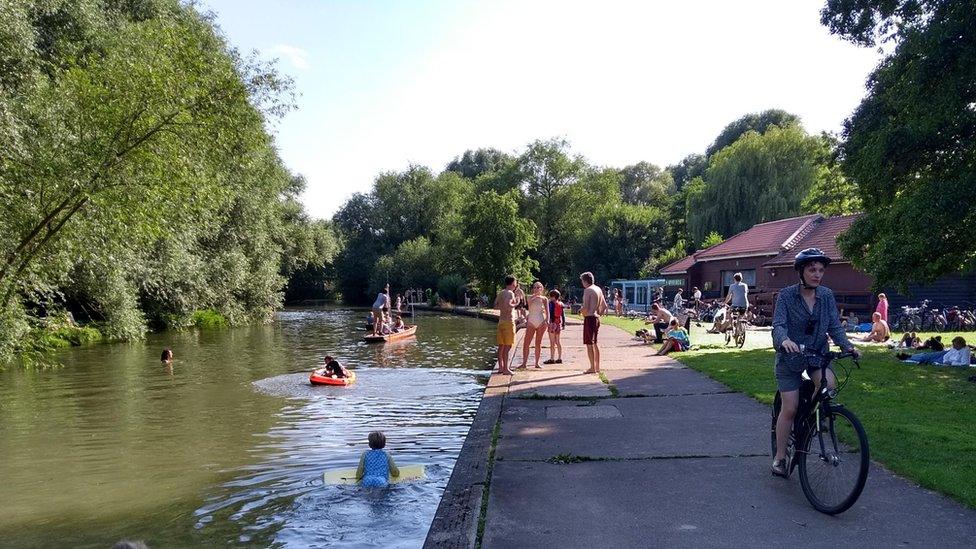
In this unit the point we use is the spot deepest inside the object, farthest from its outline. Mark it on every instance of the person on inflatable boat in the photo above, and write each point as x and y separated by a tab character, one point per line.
333	368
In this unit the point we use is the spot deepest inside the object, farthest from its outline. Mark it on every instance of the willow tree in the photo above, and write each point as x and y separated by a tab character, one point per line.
760	177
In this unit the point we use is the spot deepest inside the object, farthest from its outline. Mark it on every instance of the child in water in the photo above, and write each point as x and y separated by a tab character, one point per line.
333	368
167	356
376	466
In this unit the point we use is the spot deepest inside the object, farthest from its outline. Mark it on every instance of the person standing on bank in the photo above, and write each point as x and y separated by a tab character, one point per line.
537	323
505	338
594	305
805	314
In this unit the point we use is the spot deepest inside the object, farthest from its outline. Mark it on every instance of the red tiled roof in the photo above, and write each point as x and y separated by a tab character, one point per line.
823	235
767	238
680	266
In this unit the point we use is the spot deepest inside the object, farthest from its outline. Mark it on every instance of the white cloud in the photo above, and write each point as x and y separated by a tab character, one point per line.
294	55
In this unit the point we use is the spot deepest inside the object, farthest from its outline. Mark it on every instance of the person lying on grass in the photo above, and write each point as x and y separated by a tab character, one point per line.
958	355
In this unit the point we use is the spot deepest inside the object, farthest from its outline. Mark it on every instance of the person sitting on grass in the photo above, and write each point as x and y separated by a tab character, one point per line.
676	339
933	343
376	466
334	369
879	330
721	321
958	355
909	341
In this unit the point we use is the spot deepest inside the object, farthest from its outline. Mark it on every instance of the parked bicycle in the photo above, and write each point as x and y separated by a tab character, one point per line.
911	317
827	443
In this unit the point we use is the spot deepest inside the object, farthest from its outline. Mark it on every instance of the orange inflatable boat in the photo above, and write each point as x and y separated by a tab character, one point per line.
320	377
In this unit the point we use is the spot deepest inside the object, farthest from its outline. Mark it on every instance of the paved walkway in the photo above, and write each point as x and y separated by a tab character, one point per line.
682	462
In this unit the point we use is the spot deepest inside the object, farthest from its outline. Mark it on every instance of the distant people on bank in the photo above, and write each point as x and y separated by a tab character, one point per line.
958	355
381	306
334	369
376	466
399	303
557	323
594	306
660	318
166	357
679	302
675	339
521	308
618	302
882	307
506	302
879	330
536	325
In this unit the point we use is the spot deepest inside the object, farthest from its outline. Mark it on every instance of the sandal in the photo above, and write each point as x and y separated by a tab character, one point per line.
558	361
550	361
537	367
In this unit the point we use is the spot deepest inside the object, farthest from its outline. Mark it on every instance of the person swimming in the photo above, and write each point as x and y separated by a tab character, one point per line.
376	465
167	356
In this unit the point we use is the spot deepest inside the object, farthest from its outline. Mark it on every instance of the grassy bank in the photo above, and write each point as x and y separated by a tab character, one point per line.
919	419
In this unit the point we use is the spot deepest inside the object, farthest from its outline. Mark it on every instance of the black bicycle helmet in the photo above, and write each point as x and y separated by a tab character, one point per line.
808	255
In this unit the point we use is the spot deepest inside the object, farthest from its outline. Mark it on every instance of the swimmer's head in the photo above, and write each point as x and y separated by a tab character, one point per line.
167	355
377	440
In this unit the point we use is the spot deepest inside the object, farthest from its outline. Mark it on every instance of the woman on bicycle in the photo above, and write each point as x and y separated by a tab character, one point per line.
805	314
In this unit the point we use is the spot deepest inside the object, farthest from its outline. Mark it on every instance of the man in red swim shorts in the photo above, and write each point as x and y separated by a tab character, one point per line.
594	305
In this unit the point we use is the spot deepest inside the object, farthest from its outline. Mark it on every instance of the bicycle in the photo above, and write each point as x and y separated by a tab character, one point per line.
737	330
827	443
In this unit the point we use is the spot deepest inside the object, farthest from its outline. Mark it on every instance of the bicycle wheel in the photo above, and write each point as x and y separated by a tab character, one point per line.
834	462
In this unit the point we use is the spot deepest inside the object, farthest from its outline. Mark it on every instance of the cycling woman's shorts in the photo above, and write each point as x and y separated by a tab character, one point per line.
739	310
789	370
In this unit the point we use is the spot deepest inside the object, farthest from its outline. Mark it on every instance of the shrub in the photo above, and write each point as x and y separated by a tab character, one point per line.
208	319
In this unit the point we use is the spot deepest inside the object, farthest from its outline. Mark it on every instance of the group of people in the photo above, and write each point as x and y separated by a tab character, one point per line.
384	319
539	313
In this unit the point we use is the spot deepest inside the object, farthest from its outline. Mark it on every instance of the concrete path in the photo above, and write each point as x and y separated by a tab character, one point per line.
682	461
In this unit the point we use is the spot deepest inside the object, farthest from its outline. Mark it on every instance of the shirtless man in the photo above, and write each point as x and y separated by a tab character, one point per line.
879	330
505	301
594	305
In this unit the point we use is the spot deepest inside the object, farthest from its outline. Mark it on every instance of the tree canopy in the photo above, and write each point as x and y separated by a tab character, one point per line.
911	144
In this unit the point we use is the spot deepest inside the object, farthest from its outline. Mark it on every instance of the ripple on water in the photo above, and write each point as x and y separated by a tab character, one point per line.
424	413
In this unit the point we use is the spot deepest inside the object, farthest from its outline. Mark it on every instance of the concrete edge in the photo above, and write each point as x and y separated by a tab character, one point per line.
455	523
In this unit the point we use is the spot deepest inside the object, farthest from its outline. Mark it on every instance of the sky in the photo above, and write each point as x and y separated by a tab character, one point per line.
385	84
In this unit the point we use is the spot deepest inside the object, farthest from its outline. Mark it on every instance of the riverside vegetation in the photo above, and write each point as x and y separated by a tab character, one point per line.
139	183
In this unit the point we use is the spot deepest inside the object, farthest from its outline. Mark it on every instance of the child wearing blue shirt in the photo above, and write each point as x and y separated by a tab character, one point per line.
376	466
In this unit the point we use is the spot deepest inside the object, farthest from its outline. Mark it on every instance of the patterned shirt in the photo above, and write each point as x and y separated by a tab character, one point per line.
794	321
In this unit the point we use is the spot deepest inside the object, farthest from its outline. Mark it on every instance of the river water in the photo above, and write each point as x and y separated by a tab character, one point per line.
228	446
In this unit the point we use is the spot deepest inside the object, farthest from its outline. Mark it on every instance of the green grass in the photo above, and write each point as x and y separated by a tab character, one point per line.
919	419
